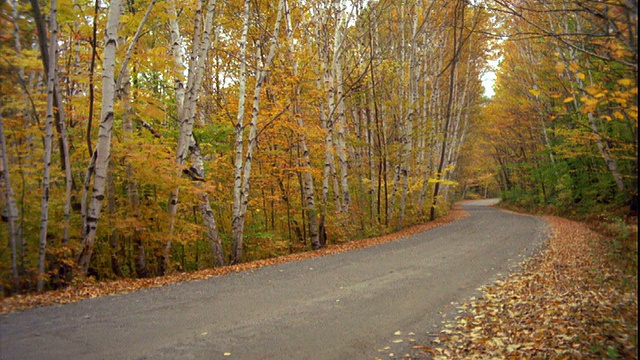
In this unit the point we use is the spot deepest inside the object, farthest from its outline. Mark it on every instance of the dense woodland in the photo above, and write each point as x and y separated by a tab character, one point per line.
145	137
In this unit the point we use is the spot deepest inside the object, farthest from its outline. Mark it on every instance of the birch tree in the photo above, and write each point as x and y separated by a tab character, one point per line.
458	11
243	161
338	84
401	92
363	108
187	99
48	142
103	148
332	16
407	137
308	191
48	56
431	117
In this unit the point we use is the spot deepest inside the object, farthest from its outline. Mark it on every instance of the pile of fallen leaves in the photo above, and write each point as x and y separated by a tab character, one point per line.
569	302
92	289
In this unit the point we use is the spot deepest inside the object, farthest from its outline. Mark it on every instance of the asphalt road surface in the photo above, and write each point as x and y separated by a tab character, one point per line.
353	305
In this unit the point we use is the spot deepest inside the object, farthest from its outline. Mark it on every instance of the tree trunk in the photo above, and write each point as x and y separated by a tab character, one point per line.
340	112
48	142
414	75
430	118
48	56
212	231
103	148
308	192
243	168
236	246
453	66
187	100
401	122
379	127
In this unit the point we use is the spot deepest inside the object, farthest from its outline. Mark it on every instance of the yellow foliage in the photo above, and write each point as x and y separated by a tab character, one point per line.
621	101
625	82
592	90
574	66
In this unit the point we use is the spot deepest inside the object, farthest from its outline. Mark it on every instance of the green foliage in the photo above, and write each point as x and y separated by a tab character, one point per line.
215	138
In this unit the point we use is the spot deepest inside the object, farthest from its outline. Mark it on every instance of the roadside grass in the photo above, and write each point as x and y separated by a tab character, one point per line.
577	299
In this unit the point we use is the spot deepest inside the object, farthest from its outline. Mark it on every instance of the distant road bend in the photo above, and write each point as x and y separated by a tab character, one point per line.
342	306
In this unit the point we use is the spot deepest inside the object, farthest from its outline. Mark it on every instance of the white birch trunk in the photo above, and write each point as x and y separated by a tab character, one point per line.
65	156
261	76
401	126
186	102
459	123
48	56
341	142
448	109
340	109
176	52
236	247
308	191
48	143
328	55
327	124
103	148
212	230
414	75
433	118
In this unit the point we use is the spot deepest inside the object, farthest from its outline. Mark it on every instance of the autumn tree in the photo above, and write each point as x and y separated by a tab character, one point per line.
228	131
576	96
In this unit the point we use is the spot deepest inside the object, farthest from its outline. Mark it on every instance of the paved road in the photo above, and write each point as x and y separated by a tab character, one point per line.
343	306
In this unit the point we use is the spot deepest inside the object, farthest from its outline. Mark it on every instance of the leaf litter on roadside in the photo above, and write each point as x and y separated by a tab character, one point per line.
568	302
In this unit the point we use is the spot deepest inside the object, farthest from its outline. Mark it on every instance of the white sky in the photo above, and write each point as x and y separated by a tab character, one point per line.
489	78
